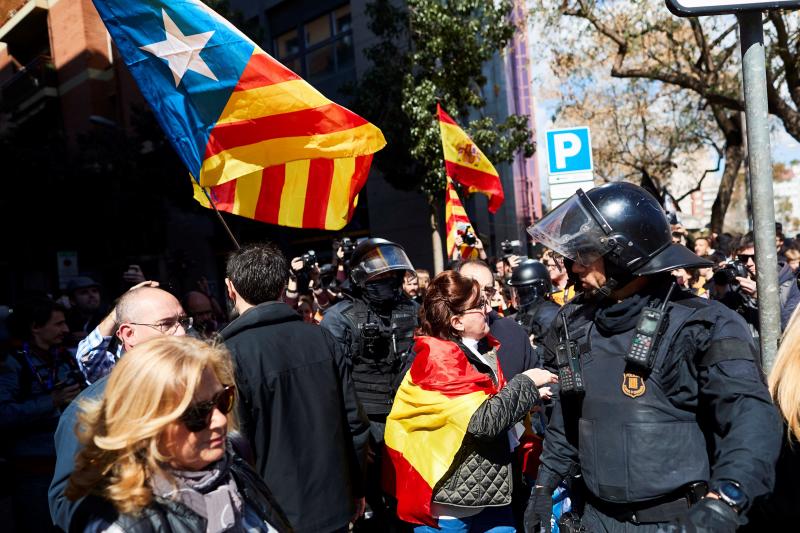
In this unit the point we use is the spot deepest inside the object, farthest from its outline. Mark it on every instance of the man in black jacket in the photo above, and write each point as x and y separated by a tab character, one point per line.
297	404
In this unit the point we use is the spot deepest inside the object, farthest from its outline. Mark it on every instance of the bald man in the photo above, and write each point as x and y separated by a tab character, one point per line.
142	313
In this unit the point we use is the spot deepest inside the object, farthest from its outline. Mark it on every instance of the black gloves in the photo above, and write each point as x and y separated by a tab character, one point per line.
539	510
706	516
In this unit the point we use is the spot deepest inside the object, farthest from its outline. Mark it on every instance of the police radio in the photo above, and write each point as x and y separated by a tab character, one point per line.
568	361
652	323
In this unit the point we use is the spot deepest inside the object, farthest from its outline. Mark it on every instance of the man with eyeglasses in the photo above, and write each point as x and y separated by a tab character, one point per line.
144	312
141	314
745	300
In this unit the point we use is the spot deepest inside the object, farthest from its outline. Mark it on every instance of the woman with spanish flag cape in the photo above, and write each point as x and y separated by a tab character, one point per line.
449	435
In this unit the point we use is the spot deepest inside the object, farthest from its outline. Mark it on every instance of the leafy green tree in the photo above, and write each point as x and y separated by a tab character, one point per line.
429	51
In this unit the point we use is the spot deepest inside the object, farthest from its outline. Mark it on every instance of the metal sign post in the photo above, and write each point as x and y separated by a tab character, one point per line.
761	197
759	161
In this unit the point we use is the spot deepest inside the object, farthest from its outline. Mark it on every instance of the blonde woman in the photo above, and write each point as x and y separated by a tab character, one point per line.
782	509
156	455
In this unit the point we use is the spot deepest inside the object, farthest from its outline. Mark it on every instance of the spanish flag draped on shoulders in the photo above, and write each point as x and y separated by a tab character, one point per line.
428	423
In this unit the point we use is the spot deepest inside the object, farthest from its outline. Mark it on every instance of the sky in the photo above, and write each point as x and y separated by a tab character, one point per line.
783	147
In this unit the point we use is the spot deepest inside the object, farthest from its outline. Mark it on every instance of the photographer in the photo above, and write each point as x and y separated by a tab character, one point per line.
468	245
37	380
305	278
510	260
735	285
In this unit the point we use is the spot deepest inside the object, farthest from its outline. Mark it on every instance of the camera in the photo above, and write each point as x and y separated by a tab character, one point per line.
729	271
510	247
309	260
370	338
348	247
469	238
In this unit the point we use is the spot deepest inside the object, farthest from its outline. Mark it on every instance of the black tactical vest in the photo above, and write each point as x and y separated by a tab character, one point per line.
379	347
536	319
633	443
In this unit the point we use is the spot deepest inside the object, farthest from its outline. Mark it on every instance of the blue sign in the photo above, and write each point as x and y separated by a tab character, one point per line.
569	150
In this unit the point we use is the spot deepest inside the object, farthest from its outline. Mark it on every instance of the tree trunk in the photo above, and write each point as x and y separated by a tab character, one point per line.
734	155
436	243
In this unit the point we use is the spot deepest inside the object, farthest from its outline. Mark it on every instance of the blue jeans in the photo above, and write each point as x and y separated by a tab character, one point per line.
490	520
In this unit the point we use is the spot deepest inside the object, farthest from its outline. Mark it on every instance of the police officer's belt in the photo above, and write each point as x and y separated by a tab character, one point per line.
664	509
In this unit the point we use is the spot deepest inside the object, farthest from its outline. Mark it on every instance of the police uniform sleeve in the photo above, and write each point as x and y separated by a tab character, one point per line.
735	403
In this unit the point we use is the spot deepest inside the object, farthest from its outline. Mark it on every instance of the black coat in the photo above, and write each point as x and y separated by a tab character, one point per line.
516	354
169	516
299	410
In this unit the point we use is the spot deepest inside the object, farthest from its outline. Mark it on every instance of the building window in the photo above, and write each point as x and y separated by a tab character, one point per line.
319	48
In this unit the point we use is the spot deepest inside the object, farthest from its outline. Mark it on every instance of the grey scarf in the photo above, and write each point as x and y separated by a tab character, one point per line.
211	493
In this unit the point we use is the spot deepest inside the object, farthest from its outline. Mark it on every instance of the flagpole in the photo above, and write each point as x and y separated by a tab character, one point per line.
219	215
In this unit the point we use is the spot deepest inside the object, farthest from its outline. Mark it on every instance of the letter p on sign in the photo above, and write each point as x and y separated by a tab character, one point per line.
569	150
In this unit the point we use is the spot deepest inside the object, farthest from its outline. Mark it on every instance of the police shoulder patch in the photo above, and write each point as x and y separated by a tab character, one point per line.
633	385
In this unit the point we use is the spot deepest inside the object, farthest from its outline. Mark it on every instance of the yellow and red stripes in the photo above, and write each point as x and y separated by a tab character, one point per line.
274	116
455	216
317	193
428	423
466	163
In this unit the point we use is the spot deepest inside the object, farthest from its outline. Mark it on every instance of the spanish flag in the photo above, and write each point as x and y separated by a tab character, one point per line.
466	164
455	219
233	112
429	419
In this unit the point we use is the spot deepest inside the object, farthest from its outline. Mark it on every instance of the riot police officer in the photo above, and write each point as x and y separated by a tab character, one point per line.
662	407
532	288
374	326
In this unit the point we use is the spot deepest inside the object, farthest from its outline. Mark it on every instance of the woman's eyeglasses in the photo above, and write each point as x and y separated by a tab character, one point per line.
481	306
197	416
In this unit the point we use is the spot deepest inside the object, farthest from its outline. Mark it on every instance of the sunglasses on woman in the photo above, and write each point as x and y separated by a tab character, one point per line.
197	416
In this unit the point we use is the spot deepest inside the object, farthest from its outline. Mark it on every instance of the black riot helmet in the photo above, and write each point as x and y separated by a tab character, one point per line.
375	256
531	281
620	222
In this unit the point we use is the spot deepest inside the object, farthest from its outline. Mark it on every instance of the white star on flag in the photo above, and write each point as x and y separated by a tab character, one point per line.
181	52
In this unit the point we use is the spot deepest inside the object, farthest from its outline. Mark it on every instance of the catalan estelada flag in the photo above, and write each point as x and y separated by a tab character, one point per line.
320	193
466	164
456	220
229	109
428	422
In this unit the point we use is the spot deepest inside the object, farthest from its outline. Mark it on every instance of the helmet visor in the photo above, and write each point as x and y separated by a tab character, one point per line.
573	231
384	258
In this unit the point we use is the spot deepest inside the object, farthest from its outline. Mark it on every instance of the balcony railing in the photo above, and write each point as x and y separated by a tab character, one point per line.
31	79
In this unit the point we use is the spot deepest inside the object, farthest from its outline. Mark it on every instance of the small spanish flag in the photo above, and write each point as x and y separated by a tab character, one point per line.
466	164
456	221
429	419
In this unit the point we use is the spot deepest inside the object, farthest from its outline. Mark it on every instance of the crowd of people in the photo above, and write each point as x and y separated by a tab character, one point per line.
612	383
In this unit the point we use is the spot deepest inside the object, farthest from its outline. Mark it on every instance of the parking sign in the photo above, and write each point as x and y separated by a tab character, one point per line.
569	150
